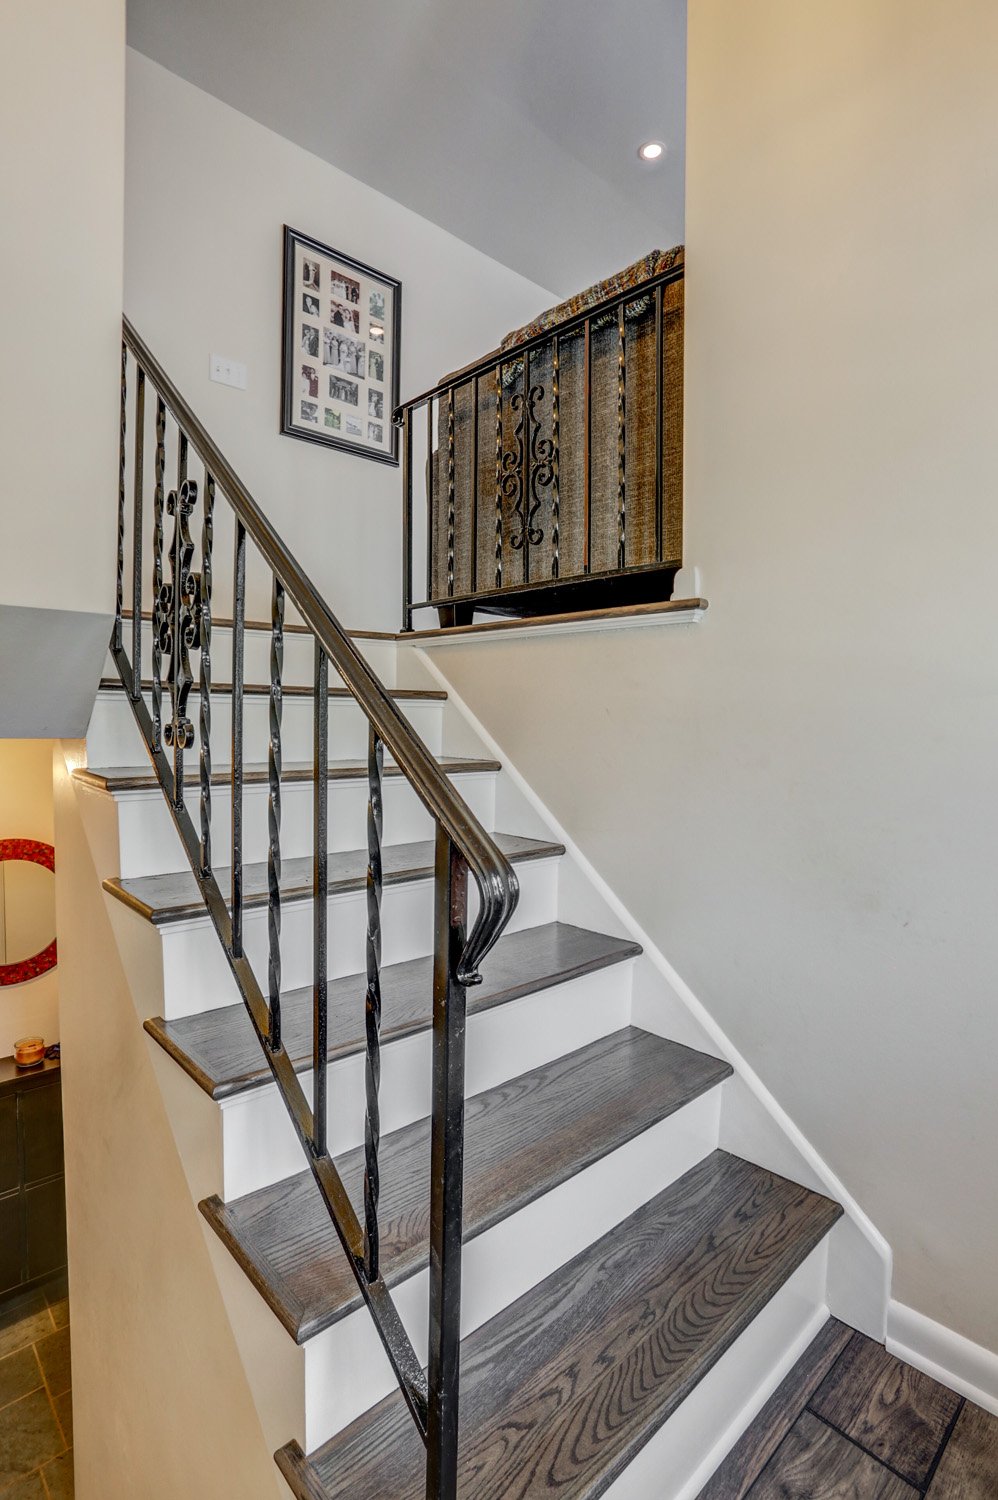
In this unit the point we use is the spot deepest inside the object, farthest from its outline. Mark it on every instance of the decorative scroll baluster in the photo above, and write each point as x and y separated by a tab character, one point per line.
157	575
446	1167
320	887
175	620
204	678
659	380
238	667
556	458
119	595
372	1006
621	437
140	439
450	492
274	762
512	468
499	476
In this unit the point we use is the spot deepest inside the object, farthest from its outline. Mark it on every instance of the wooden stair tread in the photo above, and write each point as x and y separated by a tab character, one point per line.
220	1051
522	1139
563	1388
177	896
288	690
141	778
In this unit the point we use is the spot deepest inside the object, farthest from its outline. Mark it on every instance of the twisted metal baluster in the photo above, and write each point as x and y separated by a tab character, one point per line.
556	459
621	404
204	680
157	576
139	462
274	813
450	491
372	1004
498	476
320	896
119	597
178	623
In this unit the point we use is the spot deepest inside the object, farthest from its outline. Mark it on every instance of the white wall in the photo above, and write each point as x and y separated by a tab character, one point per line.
208	191
797	799
31	1008
61	187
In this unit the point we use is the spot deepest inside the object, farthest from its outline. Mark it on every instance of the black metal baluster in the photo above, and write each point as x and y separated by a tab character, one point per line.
525	474
158	602
407	520
320	887
587	447
119	594
499	476
474	484
446	1169
204	675
430	555
621	439
450	492
372	1004
659	529
274	762
180	555
140	438
238	666
556	458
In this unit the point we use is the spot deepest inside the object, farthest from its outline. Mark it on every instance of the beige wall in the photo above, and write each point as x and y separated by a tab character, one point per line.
61	187
26	813
797	799
208	193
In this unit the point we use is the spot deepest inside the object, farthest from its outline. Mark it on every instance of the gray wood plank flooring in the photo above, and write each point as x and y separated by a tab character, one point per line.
817	1463
968	1465
220	1050
522	1139
141	778
563	1388
177	897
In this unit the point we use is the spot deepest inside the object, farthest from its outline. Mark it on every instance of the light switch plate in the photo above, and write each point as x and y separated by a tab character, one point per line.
227	371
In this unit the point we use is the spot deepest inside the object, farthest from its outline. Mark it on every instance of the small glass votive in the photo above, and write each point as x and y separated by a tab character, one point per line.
29	1051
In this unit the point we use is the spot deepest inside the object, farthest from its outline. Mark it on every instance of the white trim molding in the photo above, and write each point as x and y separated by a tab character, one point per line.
948	1357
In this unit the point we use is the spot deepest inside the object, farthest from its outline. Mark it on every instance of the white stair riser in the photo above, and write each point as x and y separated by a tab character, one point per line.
259	1146
346	1370
196	976
150	846
299	656
113	739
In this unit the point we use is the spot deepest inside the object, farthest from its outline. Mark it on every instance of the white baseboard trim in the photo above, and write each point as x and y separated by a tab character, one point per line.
948	1357
831	1184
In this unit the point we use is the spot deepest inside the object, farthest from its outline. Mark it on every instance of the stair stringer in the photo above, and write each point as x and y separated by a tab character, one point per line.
753	1123
163	1405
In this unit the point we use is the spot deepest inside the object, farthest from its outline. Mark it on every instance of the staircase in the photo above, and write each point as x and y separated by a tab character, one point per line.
626	1292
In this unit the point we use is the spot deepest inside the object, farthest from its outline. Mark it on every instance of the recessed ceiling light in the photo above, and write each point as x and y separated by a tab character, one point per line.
651	151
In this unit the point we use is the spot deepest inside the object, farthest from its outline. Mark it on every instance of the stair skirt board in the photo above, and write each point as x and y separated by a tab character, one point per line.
196	975
149	845
260	1147
113	738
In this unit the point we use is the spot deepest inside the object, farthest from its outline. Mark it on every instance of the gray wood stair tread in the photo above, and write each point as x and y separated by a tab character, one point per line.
563	1388
522	1139
142	778
220	1050
288	690
177	896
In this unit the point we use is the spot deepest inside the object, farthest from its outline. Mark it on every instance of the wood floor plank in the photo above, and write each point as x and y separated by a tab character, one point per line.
176	897
968	1469
563	1388
892	1410
220	1050
746	1461
522	1139
141	778
816	1463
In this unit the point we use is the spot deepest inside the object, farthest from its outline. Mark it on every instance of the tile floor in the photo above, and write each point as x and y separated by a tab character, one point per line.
36	1411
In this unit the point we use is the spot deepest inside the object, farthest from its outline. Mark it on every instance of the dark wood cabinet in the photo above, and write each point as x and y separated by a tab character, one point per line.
32	1176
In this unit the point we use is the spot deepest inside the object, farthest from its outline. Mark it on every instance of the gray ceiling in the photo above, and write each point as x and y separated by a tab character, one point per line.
514	126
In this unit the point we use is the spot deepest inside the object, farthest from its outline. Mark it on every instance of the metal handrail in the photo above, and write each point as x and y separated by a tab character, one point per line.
494	875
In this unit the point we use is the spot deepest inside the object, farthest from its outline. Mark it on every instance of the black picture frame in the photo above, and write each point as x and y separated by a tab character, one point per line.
327	366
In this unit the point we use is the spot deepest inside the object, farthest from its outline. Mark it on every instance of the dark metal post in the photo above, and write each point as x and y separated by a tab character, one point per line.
525	471
621	437
274	765
474	485
587	447
204	692
178	571
157	576
320	889
119	593
450	493
446	1170
659	386
499	475
556	458
429	499
372	1004
238	626
140	427
407	520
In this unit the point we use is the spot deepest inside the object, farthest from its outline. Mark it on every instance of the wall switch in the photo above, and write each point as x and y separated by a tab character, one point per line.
227	371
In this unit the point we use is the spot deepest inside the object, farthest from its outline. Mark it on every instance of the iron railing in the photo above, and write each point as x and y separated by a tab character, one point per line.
553	465
182	625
